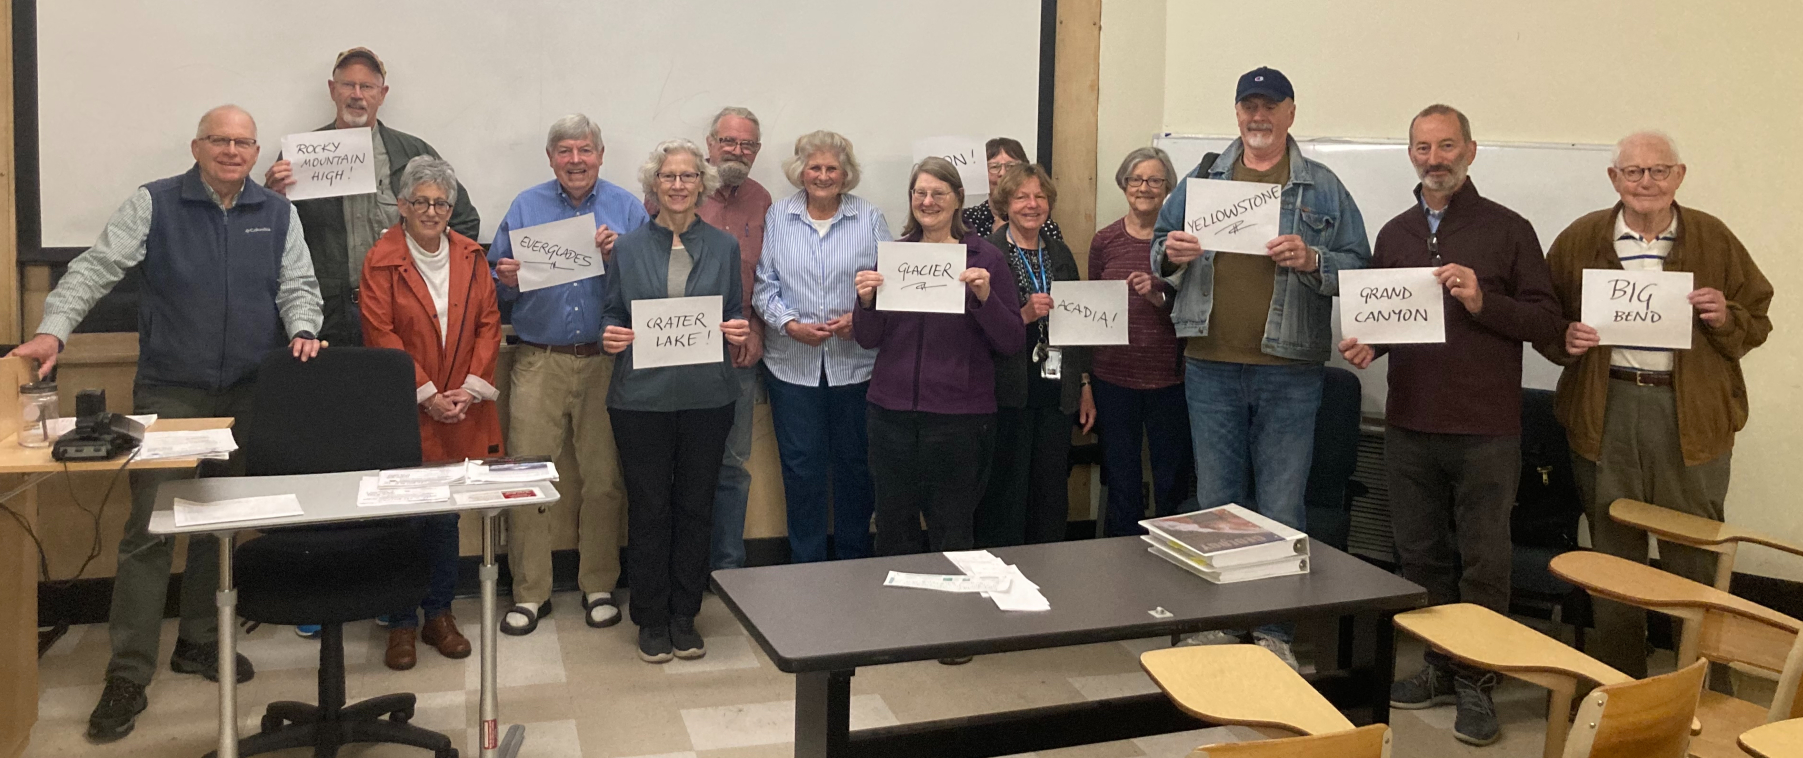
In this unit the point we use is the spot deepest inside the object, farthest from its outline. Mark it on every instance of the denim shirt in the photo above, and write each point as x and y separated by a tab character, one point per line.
1317	207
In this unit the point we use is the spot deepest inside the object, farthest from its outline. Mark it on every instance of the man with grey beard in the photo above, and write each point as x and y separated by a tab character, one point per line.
1452	443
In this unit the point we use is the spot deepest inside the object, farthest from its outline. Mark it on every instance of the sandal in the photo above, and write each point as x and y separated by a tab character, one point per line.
588	608
544	609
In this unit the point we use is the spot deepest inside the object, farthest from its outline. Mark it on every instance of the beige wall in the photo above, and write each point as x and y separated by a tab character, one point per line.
1720	77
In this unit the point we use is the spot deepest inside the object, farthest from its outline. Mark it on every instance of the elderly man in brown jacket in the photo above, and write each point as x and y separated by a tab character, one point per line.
1654	425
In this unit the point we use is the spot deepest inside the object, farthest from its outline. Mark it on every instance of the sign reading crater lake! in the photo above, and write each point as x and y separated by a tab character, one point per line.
556	253
676	331
1232	217
1639	308
332	163
1392	306
920	276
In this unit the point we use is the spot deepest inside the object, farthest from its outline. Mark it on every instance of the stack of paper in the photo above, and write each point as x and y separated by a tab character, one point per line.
947	582
370	494
536	471
468	472
190	513
1021	593
434	476
209	443
1228	544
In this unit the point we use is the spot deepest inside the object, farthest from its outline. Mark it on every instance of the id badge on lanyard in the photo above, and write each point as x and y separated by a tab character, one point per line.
1051	362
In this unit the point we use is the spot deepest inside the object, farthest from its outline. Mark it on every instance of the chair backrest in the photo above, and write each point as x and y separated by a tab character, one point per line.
1372	741
1547	505
1336	457
347	409
1646	718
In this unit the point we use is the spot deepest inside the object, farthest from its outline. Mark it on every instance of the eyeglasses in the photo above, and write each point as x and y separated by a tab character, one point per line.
221	143
1659	173
435	206
1135	182
997	169
686	177
749	146
359	87
935	195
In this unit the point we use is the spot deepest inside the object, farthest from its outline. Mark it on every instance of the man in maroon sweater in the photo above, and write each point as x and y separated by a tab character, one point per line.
1453	443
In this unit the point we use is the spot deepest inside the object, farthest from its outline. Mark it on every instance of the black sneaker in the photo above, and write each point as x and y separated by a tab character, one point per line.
685	639
117	713
1476	722
203	659
1430	686
654	644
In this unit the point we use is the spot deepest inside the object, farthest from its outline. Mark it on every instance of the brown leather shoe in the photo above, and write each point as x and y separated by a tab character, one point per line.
401	655
441	632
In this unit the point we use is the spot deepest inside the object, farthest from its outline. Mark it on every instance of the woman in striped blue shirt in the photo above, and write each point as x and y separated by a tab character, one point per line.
815	241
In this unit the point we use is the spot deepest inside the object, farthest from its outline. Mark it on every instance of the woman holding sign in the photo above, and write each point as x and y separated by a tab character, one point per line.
1037	388
932	391
425	289
673	392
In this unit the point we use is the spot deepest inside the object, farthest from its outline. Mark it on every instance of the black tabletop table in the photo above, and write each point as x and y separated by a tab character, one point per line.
822	621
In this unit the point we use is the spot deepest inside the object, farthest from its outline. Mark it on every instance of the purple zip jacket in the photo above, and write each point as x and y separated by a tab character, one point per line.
942	362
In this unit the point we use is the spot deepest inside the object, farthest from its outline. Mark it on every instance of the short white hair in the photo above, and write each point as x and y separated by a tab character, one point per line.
1671	145
710	176
573	126
713	127
823	141
200	130
425	169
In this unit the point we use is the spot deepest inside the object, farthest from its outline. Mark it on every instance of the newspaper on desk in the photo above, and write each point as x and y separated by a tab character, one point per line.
468	472
206	443
191	513
429	476
946	582
371	495
1021	594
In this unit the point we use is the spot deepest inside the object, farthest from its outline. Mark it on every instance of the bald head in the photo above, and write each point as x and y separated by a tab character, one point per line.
225	114
1649	145
225	148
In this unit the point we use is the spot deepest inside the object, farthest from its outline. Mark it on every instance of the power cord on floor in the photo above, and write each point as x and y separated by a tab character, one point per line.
95	516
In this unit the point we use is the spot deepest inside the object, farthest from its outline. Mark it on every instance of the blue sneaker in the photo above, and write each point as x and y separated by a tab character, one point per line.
307	631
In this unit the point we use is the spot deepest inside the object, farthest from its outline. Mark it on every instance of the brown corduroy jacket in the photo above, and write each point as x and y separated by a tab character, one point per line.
1711	393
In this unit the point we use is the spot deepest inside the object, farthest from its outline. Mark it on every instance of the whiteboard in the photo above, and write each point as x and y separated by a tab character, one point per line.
122	84
1551	185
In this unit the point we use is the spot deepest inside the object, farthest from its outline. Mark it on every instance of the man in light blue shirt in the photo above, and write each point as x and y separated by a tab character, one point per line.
560	378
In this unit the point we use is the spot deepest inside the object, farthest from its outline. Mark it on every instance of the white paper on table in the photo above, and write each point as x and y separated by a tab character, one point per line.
946	582
964	153
557	253
430	476
921	277
1089	313
206	443
538	471
499	497
676	331
331	163
61	426
190	513
1232	217
370	494
1392	306
1022	594
1639	308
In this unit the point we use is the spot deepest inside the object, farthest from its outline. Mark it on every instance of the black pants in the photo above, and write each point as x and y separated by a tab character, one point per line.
931	464
1027	500
671	464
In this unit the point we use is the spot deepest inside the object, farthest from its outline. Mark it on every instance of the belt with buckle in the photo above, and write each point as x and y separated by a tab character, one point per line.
1642	378
580	349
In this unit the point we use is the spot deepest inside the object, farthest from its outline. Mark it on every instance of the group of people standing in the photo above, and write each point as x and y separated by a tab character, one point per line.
959	422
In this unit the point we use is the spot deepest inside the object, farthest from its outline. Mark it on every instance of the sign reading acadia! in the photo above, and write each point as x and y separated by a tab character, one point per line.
1232	217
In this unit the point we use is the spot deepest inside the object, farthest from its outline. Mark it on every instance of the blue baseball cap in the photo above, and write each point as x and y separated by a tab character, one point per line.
1265	81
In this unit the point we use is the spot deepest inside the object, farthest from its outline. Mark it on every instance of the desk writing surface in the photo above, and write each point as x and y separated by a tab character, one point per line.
15	459
326	498
836	615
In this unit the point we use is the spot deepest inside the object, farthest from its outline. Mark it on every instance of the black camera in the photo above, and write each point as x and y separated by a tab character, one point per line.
98	434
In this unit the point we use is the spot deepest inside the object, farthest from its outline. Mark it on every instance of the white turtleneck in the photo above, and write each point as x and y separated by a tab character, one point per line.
435	268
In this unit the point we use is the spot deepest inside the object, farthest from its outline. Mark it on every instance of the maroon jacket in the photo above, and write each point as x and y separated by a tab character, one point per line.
1471	384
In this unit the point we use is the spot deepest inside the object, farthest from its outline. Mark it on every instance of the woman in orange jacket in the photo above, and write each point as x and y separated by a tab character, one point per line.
427	290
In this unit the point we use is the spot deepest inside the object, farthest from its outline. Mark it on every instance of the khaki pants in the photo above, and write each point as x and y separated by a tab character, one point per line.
556	397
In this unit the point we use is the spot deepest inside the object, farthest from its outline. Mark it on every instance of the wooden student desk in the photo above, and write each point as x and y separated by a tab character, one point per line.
21	470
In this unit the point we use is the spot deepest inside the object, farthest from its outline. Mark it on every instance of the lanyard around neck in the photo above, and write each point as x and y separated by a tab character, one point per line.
1041	279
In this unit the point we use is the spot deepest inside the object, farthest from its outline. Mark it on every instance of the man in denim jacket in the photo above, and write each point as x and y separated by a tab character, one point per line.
1258	327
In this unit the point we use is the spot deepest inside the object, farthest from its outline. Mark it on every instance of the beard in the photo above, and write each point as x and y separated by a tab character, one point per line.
733	173
1260	139
1447	182
354	118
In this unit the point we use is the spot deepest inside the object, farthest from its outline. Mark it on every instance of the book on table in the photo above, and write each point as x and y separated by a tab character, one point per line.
1226	536
1293	565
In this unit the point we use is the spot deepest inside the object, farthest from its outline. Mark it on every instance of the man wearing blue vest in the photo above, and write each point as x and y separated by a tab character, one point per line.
227	279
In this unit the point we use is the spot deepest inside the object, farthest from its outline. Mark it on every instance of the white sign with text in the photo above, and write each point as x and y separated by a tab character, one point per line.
1639	308
1089	313
1232	217
965	153
921	276
1392	306
676	331
332	163
556	253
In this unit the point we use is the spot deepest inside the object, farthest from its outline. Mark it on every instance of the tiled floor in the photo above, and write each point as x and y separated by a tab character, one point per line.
581	692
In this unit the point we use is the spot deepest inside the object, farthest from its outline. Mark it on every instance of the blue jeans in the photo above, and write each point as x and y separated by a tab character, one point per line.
1253	429
438	540
820	430
1160	416
730	495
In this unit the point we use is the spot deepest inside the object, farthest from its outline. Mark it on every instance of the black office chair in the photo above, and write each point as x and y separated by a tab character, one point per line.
1544	522
348	409
1331	487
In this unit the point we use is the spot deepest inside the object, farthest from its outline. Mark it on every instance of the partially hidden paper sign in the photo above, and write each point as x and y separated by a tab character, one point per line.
556	253
1639	308
921	276
1232	217
1089	313
332	163
676	331
965	153
1392	306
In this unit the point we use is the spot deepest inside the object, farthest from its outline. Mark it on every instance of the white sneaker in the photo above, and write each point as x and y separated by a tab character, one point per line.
1280	648
1216	637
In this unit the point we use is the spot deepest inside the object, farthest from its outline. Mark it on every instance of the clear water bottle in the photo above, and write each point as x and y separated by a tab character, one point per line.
37	412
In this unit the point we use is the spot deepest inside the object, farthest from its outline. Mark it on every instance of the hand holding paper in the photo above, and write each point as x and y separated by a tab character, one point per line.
330	163
1089	313
1639	308
676	331
1392	306
919	276
556	253
1233	217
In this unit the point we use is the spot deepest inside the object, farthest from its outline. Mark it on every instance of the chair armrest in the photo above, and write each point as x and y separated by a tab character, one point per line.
1241	684
1776	739
1489	640
1667	524
1643	586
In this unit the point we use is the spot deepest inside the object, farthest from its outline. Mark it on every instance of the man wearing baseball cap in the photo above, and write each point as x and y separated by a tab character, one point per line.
340	230
1258	325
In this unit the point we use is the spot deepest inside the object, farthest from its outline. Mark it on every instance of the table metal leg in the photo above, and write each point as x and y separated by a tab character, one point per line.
227	601
489	730
822	713
1383	667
